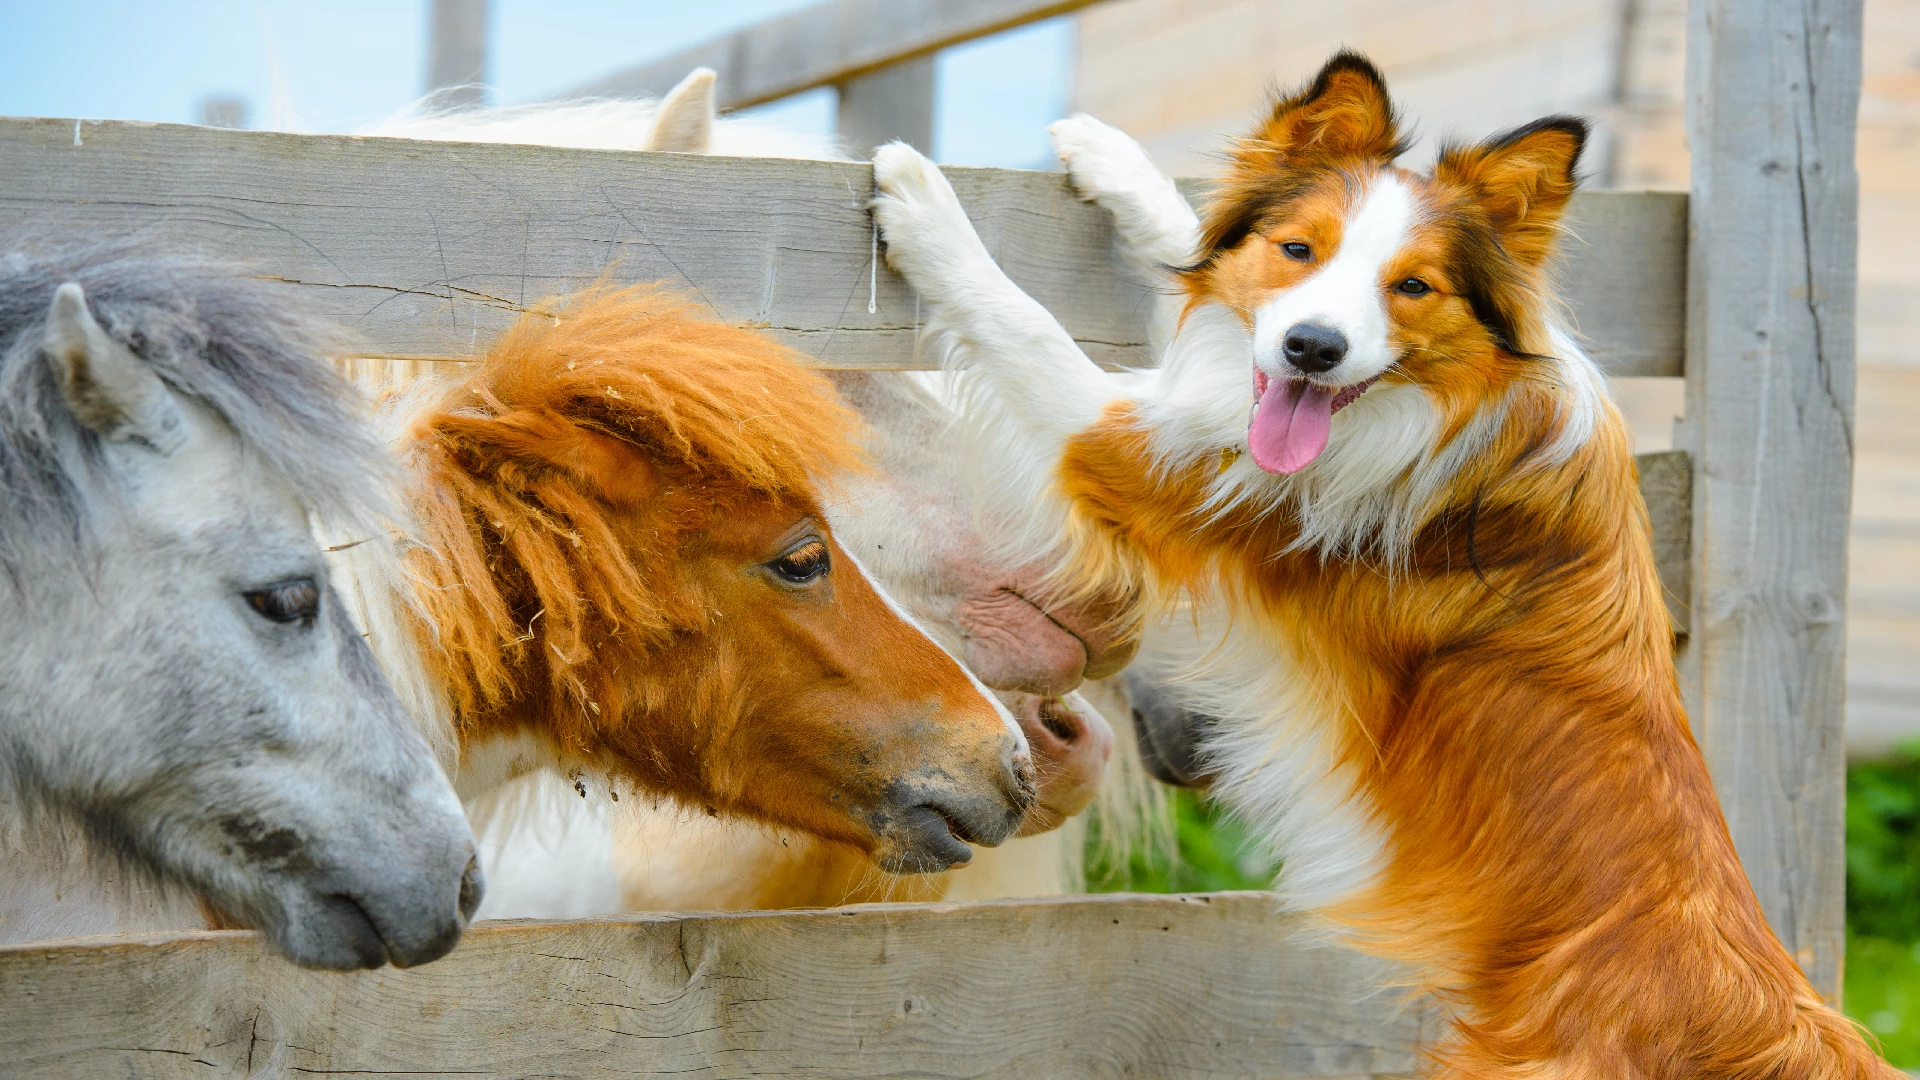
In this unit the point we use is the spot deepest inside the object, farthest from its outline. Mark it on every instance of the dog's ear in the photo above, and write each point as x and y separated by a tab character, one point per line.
1523	178
1345	112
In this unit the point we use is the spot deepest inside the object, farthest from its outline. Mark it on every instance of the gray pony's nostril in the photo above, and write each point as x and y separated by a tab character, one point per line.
1312	348
473	888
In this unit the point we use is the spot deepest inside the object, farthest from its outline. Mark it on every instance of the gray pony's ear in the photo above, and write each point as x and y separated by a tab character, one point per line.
684	123
107	387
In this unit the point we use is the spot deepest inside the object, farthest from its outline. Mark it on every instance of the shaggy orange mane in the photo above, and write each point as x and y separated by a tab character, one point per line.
558	479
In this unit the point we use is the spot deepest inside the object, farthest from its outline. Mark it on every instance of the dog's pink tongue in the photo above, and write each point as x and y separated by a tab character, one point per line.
1290	425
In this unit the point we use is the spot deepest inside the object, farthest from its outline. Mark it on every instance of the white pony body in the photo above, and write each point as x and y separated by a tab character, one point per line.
683	121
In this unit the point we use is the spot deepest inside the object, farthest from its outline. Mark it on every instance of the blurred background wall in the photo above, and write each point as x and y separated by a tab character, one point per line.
1184	75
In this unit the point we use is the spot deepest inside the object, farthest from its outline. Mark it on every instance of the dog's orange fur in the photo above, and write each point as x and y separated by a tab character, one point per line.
599	501
1557	870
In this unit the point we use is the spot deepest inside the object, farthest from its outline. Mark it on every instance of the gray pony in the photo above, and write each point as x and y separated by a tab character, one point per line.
191	729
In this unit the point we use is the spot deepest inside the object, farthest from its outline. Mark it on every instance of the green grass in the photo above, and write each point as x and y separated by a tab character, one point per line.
1883	902
1214	853
1883	992
1883	887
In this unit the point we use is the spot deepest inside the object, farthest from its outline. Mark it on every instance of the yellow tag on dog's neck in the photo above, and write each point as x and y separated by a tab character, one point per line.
1228	455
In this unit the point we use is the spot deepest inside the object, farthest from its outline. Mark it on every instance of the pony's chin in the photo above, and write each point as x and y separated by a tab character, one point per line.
923	840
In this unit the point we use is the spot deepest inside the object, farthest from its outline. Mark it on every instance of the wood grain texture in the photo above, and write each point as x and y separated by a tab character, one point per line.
1666	483
824	44
1774	86
1623	274
1076	987
429	248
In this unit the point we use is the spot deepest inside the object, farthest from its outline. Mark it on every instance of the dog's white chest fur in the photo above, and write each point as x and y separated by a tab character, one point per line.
1274	743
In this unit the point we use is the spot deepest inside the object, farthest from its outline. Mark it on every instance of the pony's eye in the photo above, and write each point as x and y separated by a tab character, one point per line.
803	564
290	601
1413	286
1297	250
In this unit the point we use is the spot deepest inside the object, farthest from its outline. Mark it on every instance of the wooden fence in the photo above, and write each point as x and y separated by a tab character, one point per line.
1088	986
429	248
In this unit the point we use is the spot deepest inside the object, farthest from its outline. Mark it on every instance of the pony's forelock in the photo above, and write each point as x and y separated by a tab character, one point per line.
246	349
524	556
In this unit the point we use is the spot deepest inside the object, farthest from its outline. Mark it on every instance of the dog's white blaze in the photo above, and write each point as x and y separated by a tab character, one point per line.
1346	293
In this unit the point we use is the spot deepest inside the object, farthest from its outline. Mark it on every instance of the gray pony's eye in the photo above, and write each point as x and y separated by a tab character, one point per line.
289	601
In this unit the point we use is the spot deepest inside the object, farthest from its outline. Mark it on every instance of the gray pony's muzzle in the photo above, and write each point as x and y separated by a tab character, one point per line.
1170	734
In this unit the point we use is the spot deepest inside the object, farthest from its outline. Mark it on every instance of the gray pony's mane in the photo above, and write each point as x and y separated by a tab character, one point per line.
243	348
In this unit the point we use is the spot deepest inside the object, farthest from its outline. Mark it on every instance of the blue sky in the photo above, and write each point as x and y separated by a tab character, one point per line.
335	66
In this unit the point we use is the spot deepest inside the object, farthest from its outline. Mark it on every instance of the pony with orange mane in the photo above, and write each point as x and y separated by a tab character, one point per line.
623	571
911	524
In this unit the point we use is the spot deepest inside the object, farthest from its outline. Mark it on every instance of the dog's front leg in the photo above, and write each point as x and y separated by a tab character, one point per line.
1030	388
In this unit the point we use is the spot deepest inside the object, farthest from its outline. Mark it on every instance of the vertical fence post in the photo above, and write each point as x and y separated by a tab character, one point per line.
895	102
457	52
1772	91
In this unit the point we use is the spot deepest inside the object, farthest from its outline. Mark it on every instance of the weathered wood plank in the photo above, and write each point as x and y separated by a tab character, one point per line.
1773	90
1666	483
827	43
1623	274
429	248
891	103
1089	986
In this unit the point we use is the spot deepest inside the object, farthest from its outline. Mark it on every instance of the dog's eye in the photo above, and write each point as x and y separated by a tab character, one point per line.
1297	250
1413	286
803	564
290	601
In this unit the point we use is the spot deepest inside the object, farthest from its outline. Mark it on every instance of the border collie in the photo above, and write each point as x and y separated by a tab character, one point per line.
1442	667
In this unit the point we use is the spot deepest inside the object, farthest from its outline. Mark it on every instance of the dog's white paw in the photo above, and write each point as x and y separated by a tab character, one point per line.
920	218
1102	161
1109	169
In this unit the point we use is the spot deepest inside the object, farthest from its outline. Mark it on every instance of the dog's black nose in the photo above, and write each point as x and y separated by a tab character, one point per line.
1314	349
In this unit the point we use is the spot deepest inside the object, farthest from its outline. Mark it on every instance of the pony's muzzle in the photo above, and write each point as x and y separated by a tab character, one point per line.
473	889
926	827
1169	734
367	913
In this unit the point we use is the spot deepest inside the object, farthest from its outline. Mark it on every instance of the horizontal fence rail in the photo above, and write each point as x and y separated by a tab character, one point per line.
825	44
1161	986
428	249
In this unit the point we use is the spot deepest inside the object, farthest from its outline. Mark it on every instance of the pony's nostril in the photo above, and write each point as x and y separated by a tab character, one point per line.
1026	779
1313	349
1058	721
473	889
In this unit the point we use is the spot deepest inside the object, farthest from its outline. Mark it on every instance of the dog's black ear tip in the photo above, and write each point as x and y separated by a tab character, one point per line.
1354	61
1579	128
